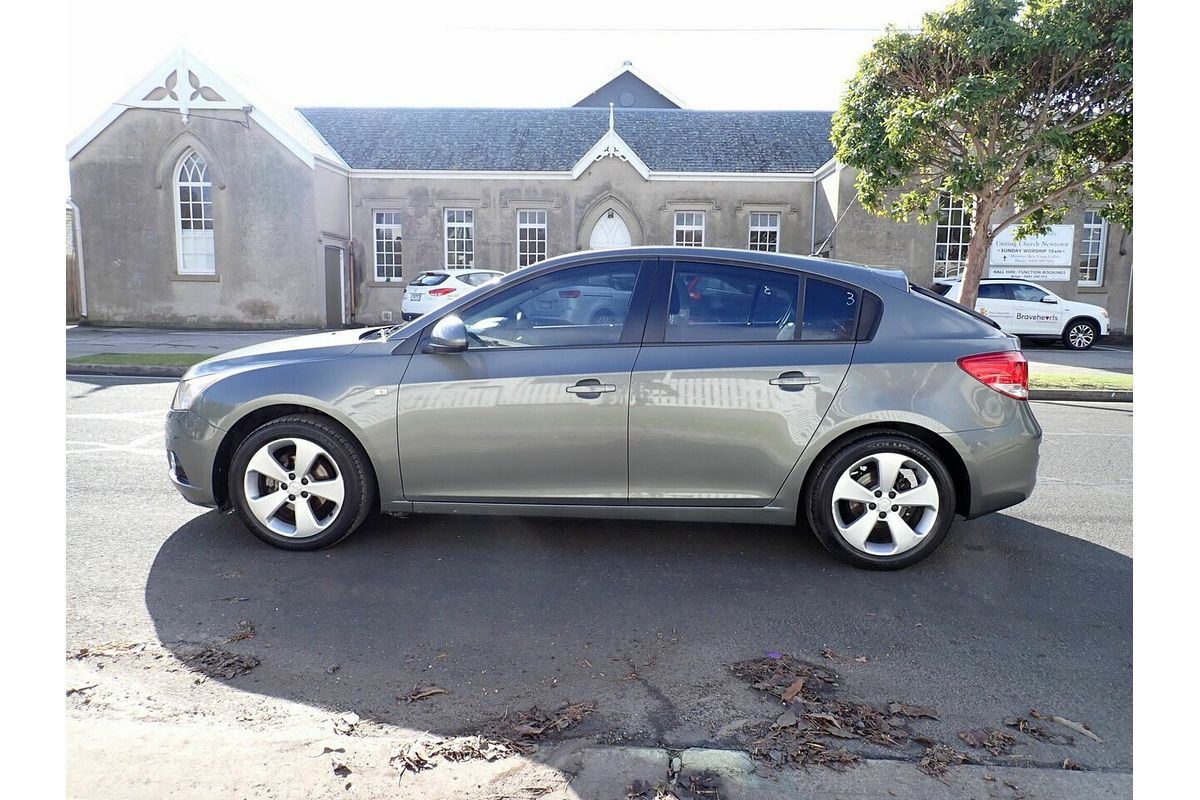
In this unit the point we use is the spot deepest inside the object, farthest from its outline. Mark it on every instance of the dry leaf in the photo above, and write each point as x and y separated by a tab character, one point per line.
793	690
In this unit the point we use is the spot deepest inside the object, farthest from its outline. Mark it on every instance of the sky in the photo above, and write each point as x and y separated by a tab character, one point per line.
728	55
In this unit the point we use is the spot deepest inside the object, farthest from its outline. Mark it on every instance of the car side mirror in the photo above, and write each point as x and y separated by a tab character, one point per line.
449	335
1049	299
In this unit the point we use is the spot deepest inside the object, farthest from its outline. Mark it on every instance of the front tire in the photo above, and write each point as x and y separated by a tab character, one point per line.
883	501
301	483
1080	334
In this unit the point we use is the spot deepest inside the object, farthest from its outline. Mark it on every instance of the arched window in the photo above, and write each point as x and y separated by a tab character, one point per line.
194	217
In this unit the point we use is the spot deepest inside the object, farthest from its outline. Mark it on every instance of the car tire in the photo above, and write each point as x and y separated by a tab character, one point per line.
269	493
1080	334
856	524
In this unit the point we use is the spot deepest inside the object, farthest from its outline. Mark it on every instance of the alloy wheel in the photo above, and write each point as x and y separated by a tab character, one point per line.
294	488
1081	336
885	504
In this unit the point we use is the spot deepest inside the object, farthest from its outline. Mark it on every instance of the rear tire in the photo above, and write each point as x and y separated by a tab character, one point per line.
1080	334
301	483
884	501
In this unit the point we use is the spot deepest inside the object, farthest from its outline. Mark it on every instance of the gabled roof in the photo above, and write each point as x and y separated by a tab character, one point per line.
183	84
633	83
555	139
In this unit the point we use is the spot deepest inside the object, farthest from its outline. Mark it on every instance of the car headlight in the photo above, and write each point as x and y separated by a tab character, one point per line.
187	391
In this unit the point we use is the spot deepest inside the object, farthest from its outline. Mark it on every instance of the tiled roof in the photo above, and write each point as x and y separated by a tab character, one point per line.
554	139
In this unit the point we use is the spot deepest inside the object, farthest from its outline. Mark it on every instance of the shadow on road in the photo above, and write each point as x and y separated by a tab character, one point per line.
644	618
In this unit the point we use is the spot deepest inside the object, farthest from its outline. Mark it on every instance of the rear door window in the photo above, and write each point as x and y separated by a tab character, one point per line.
724	303
994	291
830	311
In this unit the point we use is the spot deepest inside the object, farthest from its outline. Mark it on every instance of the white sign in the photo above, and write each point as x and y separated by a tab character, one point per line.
1052	250
1031	273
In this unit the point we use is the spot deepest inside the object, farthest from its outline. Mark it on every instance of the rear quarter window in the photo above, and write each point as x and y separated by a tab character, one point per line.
830	311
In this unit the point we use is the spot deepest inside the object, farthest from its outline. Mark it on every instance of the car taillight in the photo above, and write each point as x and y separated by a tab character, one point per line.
441	292
569	294
1007	372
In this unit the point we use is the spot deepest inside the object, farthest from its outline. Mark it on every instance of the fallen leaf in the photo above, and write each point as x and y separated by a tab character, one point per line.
346	723
905	710
421	693
861	659
1078	727
793	690
786	720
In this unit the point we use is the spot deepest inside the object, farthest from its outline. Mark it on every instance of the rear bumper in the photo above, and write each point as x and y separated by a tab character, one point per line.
1001	462
191	450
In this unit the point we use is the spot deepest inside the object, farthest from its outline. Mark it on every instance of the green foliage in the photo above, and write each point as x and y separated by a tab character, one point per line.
1026	106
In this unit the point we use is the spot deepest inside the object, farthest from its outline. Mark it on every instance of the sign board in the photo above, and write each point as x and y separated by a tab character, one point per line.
1051	250
1031	273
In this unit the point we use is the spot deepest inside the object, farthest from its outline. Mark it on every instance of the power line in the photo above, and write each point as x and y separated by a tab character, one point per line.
679	29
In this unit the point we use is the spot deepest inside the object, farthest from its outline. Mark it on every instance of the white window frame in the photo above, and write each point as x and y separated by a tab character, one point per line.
186	253
381	267
686	224
531	245
467	224
764	229
952	267
1101	244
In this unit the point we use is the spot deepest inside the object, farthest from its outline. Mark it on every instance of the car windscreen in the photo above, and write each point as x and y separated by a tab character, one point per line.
921	290
429	279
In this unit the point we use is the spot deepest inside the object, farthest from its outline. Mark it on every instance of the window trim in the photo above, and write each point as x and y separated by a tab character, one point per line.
399	267
176	184
544	226
701	227
778	229
446	224
1103	225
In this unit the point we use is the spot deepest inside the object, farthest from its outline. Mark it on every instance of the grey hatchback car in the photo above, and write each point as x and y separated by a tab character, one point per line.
728	386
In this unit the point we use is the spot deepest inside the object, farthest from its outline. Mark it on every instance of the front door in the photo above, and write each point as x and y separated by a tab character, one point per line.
536	409
726	391
335	287
609	231
1034	315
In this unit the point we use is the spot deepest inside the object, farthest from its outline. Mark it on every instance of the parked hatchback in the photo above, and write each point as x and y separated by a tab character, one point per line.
431	290
727	386
1033	311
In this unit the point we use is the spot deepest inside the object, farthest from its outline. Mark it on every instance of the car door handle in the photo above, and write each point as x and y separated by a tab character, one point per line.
591	386
794	380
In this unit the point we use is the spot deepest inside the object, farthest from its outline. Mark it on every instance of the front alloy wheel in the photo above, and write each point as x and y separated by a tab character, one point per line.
1080	335
301	483
883	501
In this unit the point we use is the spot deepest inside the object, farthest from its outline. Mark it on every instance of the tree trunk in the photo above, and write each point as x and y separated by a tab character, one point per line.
977	253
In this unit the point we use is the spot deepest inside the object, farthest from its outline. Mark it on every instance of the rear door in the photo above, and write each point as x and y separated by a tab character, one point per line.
536	409
723	404
995	301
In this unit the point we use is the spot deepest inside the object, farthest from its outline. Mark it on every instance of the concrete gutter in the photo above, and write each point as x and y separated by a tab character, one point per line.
1083	395
139	371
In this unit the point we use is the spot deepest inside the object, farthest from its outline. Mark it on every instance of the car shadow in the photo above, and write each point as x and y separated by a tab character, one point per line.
644	619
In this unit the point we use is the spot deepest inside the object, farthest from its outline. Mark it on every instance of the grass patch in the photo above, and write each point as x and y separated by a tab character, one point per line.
1107	382
141	359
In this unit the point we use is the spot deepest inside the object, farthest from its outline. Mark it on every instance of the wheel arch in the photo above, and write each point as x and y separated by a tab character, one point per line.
255	418
1081	318
949	455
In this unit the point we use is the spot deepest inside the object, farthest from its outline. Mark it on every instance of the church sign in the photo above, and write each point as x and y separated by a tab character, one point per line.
1046	257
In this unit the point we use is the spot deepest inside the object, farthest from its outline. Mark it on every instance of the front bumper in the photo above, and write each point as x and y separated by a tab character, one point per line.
191	451
1001	462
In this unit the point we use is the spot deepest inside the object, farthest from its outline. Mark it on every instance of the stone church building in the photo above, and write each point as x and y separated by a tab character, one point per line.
199	204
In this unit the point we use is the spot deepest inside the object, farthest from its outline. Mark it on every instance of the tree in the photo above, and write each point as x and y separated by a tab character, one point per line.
1022	107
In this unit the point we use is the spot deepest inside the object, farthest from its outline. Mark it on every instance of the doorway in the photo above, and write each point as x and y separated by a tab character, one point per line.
335	287
609	231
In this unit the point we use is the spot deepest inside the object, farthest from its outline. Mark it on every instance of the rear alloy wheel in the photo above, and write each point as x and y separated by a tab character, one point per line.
300	483
1080	334
604	317
882	502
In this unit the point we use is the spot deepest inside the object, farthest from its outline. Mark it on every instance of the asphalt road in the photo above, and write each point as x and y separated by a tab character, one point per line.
1028	608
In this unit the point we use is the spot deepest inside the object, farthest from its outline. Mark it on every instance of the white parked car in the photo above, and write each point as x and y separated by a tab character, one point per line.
431	290
1029	310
